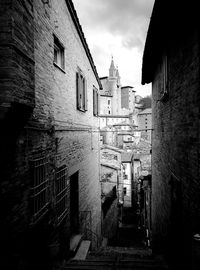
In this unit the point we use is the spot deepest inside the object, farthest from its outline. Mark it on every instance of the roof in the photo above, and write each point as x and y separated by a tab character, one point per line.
106	95
113	116
124	124
146	111
127	87
167	26
106	146
127	157
110	166
75	19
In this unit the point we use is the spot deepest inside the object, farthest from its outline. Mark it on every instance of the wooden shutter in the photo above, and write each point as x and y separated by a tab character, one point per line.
98	103
79	90
95	101
85	94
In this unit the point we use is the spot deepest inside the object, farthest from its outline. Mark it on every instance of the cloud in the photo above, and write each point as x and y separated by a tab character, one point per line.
119	17
118	28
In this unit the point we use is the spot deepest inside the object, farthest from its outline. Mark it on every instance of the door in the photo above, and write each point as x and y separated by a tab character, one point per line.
74	204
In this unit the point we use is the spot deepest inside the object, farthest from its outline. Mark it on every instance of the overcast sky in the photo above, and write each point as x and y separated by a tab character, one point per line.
117	28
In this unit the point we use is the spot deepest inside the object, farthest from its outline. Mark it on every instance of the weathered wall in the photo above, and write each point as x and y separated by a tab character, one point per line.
17	53
175	152
55	129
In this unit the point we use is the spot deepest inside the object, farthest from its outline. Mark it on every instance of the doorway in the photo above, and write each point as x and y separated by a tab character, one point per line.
74	203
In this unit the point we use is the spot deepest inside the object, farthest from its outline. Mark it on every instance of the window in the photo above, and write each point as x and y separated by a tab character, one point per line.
39	189
61	193
124	190
165	92
81	90
108	102
95	101
58	54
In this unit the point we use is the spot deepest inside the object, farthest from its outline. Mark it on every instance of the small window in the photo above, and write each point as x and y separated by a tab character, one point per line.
109	112
61	193
58	54
165	84
124	190
81	90
39	189
108	102
95	101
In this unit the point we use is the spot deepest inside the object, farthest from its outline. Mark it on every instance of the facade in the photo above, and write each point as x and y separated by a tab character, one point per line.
49	140
144	121
171	62
116	103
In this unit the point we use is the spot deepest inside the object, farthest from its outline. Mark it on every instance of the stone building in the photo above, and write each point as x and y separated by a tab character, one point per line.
144	121
171	62
49	159
115	100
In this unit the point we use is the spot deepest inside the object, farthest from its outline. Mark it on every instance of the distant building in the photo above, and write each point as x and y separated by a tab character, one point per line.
171	63
144	119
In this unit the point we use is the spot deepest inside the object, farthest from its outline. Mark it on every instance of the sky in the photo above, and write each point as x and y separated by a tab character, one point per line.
117	28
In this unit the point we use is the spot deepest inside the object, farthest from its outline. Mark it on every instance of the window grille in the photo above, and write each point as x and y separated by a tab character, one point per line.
61	193
39	190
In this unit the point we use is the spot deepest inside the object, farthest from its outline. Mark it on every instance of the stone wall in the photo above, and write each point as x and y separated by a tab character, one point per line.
55	129
175	152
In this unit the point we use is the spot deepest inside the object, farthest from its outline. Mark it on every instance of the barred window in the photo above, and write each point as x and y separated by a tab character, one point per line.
61	192
39	190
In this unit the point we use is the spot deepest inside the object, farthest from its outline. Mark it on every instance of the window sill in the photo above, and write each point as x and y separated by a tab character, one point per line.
59	67
81	110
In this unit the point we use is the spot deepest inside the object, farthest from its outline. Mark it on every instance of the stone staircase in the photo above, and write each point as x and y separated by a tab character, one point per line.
121	258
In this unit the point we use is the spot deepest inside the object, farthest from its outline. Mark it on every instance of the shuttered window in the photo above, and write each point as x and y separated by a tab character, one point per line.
81	91
95	101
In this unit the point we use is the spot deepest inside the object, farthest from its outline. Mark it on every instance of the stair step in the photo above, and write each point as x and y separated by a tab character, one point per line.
82	267
82	251
75	241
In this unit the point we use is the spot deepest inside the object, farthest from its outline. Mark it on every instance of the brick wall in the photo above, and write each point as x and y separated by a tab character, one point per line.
17	54
175	152
55	129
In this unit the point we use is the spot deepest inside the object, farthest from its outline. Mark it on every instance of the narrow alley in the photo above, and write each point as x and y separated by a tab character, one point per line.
99	172
129	250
